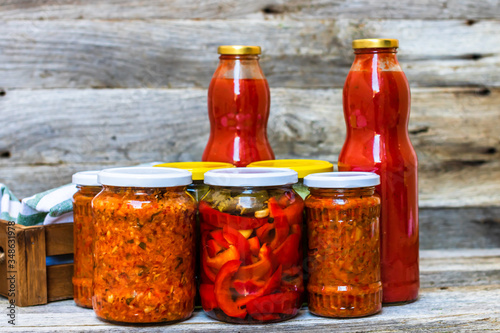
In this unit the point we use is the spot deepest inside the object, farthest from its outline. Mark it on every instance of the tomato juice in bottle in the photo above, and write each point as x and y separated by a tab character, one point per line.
376	100
238	109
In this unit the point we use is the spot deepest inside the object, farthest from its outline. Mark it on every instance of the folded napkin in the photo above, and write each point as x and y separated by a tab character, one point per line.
49	207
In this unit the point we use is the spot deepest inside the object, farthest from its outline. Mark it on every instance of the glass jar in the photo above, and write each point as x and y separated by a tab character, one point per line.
144	245
376	99
198	188
238	108
251	223
343	255
302	166
83	267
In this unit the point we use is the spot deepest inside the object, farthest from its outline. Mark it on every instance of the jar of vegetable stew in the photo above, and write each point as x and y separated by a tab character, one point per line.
88	187
251	226
198	188
303	167
344	246
144	245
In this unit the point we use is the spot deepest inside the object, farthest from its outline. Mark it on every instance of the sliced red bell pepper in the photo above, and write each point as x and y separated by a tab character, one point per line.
261	270
219	238
287	254
207	273
279	303
281	225
234	237
221	258
286	199
213	248
219	219
207	295
248	287
254	245
223	294
295	211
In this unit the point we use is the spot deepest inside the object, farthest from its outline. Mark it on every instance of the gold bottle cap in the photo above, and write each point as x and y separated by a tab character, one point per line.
374	43
238	49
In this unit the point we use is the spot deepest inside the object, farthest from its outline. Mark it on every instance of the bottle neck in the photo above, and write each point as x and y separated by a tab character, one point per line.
342	192
237	67
375	60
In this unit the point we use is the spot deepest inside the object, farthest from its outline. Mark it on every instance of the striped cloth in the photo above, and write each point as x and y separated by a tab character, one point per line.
49	207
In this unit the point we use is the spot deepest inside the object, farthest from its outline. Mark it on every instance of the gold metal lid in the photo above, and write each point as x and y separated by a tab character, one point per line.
238	49
374	43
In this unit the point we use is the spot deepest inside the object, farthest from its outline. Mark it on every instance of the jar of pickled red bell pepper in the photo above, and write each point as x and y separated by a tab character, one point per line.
88	187
198	188
344	244
144	245
303	168
251	226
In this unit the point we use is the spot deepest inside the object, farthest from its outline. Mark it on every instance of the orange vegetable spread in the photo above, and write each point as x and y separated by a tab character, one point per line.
144	254
344	259
82	232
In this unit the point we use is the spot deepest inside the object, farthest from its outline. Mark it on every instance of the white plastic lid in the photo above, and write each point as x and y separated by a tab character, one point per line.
144	177
86	178
251	177
347	179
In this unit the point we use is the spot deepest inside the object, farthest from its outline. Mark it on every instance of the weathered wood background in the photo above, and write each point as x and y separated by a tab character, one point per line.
92	84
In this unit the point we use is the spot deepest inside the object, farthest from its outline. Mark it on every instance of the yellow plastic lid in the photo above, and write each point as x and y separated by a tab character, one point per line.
198	169
302	167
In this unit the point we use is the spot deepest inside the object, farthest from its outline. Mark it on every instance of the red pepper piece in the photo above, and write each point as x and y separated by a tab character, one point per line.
222	257
218	219
207	273
294	212
234	237
261	270
279	303
281	225
274	283
249	287
254	245
288	252
219	238
213	248
207	295
266	233
223	293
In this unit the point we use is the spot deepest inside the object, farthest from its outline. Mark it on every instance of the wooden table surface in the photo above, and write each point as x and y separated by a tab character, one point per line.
460	292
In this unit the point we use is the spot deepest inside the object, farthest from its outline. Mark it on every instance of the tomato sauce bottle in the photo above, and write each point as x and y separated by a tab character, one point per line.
376	100
238	108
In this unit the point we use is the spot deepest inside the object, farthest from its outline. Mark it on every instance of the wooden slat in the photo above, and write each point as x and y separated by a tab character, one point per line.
180	53
36	274
59	285
453	130
59	239
187	9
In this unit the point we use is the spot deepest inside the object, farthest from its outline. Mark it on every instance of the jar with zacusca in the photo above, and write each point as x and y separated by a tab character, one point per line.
251	253
343	213
87	188
144	260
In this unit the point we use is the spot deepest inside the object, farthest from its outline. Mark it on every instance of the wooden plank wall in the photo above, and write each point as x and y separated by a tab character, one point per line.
91	84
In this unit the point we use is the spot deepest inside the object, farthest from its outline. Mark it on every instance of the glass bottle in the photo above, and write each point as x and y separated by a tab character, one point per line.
376	100
343	252
144	245
238	108
83	228
251	253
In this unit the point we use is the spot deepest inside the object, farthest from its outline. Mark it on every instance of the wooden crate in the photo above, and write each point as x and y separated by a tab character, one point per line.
36	283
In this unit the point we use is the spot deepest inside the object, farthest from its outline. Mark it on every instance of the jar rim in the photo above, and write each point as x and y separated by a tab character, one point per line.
144	177
86	178
251	177
345	179
370	43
